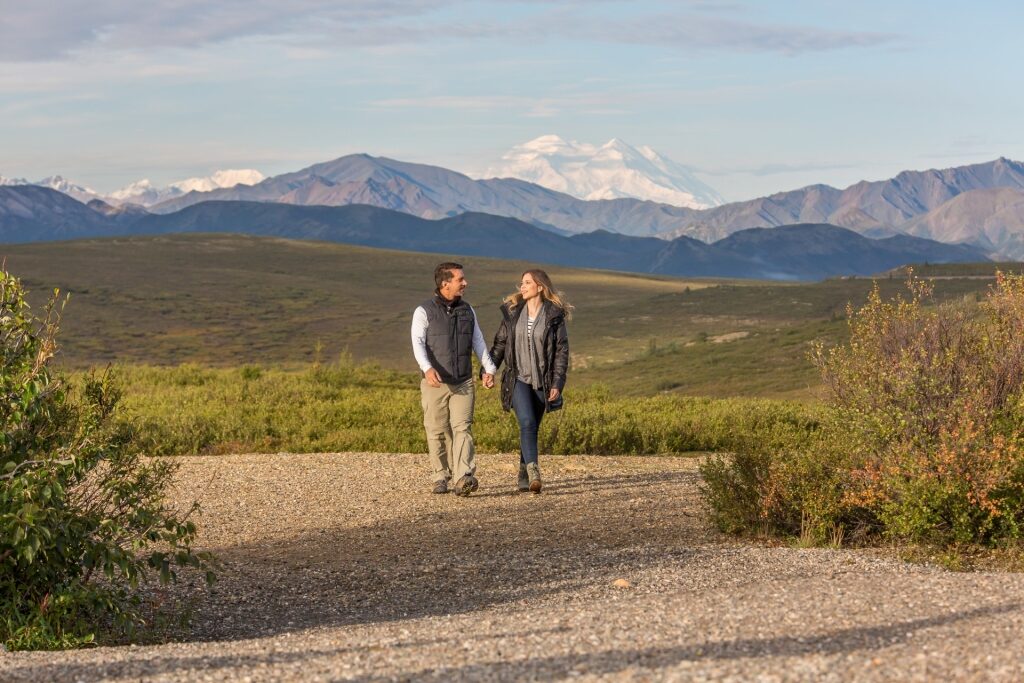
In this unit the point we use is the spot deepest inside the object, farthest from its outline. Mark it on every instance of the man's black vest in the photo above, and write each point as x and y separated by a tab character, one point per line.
450	338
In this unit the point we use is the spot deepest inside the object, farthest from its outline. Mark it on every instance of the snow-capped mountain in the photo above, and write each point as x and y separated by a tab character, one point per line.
226	178
65	186
59	183
145	193
613	170
140	192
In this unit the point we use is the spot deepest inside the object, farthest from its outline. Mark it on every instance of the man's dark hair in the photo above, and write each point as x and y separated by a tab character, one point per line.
443	273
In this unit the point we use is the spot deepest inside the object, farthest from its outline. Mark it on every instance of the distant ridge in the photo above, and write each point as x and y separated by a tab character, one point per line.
992	219
875	209
862	207
872	208
799	252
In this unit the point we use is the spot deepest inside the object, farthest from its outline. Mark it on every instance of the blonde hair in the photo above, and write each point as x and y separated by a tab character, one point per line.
547	293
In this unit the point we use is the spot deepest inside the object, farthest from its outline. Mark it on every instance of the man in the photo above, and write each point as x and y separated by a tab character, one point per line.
444	334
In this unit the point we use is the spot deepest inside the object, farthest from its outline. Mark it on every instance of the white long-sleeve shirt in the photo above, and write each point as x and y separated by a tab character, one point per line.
419	342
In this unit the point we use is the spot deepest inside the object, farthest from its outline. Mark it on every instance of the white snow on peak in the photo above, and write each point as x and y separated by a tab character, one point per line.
62	184
58	183
613	170
226	178
140	192
145	193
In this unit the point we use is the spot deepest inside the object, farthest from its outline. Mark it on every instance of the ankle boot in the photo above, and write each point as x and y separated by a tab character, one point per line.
533	471
524	478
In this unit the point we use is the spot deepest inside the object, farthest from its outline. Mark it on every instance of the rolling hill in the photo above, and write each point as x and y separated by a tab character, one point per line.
231	300
793	252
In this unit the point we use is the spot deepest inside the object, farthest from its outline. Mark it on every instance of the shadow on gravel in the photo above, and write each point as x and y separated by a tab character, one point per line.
458	555
614	661
208	665
865	638
575	485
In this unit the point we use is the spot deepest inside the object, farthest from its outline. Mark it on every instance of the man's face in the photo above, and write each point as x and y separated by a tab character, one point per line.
455	287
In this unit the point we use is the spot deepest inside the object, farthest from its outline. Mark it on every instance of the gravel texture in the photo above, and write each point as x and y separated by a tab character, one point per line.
344	567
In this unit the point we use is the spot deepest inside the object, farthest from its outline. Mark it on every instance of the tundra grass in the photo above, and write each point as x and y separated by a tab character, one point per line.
362	407
232	300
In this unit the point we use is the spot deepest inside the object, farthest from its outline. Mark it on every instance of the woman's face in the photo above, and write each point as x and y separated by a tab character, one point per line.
528	287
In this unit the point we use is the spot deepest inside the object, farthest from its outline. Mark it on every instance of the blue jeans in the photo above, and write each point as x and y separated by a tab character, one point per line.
529	405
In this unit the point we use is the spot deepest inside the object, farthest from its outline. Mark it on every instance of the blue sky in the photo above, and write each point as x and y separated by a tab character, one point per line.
757	97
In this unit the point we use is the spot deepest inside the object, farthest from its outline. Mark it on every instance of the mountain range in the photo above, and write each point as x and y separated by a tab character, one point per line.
886	207
977	204
807	251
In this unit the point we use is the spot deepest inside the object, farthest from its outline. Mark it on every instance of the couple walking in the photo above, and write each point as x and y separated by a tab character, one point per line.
531	341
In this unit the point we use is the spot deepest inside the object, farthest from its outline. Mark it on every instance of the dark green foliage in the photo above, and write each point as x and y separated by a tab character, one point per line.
82	514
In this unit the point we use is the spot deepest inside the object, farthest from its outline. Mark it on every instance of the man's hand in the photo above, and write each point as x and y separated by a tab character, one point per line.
433	379
488	379
553	394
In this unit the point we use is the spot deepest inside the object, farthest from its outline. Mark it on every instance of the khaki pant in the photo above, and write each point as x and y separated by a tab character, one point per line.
448	419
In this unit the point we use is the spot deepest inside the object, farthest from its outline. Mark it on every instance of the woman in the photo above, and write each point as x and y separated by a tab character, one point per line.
534	345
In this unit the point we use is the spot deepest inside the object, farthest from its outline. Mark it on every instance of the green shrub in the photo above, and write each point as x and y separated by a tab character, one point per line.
775	481
921	433
82	514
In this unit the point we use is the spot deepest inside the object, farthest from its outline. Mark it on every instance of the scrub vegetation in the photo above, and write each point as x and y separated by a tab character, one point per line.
83	518
920	436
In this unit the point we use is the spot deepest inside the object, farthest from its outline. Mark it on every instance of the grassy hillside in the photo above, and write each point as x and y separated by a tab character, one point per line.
231	300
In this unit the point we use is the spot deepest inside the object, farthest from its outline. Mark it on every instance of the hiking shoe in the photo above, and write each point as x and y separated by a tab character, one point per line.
533	472
441	486
466	485
524	479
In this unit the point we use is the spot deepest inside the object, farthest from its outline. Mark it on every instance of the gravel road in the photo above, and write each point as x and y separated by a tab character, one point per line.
343	566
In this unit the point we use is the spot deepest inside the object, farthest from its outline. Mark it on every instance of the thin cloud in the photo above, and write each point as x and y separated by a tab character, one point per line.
697	32
45	31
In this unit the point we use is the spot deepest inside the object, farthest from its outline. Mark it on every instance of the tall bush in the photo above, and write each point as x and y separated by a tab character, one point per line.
83	516
921	438
927	403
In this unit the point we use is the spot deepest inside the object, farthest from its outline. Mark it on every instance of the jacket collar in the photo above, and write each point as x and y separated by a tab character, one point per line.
551	311
448	304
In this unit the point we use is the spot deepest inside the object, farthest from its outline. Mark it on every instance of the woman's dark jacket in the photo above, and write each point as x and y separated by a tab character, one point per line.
554	361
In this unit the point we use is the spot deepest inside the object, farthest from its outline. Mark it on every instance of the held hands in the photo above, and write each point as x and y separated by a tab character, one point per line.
434	379
553	394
